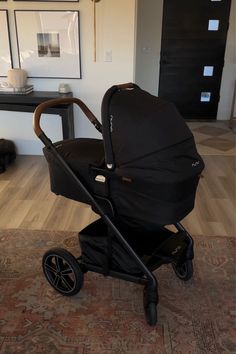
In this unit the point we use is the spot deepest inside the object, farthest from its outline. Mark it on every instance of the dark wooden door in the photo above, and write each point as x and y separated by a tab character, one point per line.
192	55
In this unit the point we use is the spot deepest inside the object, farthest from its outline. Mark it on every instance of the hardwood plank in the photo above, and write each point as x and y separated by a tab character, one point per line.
3	185
67	215
13	214
37	214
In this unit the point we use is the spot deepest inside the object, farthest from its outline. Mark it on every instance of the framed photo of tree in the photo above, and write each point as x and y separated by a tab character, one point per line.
46	0
51	49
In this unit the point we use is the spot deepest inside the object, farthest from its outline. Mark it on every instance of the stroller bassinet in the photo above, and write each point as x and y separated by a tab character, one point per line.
142	176
154	166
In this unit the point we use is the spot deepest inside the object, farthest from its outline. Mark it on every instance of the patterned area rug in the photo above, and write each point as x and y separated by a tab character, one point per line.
106	317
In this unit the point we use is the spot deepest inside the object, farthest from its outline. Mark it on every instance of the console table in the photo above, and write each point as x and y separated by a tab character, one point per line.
28	103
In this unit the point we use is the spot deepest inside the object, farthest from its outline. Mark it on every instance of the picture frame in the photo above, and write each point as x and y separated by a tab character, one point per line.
52	47
5	44
46	0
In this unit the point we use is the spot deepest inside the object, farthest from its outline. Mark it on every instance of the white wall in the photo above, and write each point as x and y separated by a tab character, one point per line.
229	71
148	48
148	44
115	32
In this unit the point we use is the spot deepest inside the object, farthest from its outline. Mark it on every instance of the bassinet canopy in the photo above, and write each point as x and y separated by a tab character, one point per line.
138	124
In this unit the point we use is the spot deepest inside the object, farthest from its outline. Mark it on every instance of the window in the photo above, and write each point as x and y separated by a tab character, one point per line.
205	96
213	25
208	70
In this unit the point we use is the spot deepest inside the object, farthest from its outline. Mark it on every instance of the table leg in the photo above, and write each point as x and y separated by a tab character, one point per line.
67	118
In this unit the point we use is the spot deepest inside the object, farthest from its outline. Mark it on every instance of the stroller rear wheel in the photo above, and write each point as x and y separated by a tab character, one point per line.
62	271
184	271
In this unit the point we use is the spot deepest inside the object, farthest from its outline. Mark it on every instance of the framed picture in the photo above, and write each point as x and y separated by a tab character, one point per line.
51	49
46	0
5	46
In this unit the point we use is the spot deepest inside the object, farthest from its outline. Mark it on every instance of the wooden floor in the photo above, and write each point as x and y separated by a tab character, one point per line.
27	203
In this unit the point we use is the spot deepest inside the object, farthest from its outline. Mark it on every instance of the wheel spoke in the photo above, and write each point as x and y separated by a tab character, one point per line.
50	268
59	263
67	271
56	281
68	282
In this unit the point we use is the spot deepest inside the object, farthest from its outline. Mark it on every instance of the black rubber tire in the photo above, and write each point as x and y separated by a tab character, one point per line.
150	308
151	313
184	271
62	271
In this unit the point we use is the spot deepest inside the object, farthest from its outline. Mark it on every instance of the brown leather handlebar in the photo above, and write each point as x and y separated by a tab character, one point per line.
61	101
126	86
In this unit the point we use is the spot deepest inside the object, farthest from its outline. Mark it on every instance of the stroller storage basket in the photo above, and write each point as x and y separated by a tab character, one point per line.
161	246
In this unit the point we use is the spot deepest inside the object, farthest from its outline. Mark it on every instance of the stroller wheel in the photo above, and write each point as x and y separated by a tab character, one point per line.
184	271
151	313
150	308
62	271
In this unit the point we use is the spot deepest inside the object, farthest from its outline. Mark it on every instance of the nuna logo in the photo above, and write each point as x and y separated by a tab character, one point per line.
196	163
178	248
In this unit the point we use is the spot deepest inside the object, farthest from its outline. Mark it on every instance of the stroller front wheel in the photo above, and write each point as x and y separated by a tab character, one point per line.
184	271
151	313
62	271
150	306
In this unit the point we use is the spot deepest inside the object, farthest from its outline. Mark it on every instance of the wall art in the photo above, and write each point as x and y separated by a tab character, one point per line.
51	48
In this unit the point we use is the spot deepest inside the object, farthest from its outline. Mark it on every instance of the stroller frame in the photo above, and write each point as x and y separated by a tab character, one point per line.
183	271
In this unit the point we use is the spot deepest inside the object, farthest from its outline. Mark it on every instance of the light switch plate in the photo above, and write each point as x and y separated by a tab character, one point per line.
108	56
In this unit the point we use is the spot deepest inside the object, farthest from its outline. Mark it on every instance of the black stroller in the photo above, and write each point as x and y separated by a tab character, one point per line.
140	178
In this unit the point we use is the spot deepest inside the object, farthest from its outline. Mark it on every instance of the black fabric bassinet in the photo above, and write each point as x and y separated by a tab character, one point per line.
148	158
152	150
80	154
